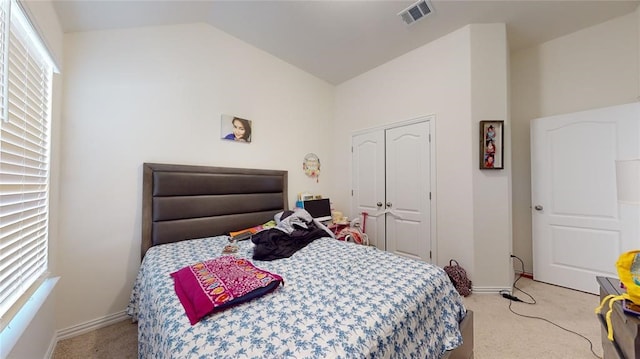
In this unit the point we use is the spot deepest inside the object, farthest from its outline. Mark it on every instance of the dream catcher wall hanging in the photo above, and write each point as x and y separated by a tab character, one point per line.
311	165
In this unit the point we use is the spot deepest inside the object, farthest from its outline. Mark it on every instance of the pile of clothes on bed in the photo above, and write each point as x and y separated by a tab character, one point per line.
293	231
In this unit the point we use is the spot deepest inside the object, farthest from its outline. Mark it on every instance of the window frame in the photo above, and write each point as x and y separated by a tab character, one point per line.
18	37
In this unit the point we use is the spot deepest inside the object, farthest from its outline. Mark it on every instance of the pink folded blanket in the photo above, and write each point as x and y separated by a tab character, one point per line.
212	285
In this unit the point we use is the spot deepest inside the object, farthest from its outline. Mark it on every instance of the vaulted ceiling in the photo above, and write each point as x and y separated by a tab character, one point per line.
336	40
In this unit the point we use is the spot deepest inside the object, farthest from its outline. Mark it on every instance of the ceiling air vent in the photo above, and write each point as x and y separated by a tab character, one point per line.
415	12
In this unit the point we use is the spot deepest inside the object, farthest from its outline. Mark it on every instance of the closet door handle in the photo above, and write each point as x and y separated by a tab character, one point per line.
379	204
388	204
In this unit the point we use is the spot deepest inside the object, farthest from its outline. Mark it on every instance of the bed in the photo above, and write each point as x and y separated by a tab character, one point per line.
338	299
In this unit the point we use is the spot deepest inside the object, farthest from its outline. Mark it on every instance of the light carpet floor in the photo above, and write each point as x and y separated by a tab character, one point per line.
499	334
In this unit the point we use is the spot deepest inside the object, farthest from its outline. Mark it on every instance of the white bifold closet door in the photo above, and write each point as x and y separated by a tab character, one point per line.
391	183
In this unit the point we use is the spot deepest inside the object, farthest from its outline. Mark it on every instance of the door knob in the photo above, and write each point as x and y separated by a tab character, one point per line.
538	207
379	204
388	204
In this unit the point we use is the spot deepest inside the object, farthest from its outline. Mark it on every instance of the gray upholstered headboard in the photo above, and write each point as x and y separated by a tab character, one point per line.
182	202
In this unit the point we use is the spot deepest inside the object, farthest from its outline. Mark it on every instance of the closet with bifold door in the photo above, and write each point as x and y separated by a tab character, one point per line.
392	185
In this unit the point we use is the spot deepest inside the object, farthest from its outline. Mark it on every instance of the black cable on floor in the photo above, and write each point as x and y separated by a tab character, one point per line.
512	298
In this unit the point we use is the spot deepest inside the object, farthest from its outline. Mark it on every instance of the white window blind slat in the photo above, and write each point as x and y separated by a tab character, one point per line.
18	286
28	113
24	179
20	258
25	100
26	103
13	144
30	176
11	194
30	98
13	249
22	227
25	132
27	206
29	167
25	236
22	217
10	282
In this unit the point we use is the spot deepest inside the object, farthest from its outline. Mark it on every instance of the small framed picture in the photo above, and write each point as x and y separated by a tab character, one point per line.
491	145
234	128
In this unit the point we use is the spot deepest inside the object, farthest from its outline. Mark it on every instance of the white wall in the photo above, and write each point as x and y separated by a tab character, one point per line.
156	95
591	68
433	79
491	188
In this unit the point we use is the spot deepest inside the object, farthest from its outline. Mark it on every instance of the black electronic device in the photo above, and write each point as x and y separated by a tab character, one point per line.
319	209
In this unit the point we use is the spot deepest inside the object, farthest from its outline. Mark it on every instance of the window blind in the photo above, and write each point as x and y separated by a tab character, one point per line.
26	74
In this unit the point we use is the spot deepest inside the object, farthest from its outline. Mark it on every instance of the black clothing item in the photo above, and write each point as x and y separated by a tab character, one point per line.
274	244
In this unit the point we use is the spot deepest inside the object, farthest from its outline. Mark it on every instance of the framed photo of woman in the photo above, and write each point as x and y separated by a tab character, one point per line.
235	129
491	145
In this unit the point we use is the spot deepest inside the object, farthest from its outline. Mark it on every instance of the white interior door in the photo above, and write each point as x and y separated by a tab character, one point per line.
408	185
576	226
368	182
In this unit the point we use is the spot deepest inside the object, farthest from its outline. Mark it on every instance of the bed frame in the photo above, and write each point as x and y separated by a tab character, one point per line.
183	202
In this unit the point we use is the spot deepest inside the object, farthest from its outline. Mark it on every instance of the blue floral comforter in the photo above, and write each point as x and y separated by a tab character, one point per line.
339	300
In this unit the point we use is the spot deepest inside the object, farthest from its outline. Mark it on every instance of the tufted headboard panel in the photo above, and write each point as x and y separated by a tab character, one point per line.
181	202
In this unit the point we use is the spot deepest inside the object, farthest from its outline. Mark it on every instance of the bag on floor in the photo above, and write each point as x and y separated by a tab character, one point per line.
628	266
353	235
458	277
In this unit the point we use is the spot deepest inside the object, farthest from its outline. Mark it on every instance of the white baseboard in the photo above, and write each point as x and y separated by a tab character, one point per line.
52	347
490	290
91	325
